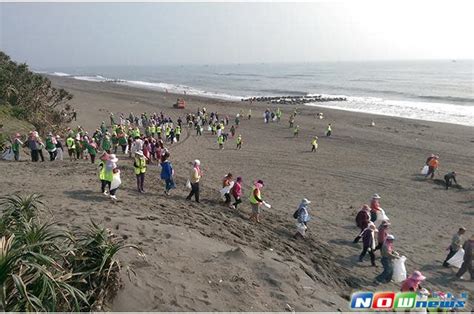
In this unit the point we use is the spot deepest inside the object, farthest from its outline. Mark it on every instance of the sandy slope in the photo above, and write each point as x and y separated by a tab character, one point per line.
191	248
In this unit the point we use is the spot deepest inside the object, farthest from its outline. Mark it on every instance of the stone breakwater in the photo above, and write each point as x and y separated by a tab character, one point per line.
294	99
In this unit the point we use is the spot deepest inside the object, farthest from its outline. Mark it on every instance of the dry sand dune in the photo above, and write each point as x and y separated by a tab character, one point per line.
206	257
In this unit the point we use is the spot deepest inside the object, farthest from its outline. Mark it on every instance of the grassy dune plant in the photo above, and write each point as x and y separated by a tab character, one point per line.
43	268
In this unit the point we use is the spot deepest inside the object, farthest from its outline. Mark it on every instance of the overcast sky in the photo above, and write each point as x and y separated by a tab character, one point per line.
85	34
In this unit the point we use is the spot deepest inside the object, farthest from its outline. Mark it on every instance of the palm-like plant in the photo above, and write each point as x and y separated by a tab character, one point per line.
46	269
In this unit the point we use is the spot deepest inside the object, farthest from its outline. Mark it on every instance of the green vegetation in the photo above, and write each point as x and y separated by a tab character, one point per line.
30	97
43	268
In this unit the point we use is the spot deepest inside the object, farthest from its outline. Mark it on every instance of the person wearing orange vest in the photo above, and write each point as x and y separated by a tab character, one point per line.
433	165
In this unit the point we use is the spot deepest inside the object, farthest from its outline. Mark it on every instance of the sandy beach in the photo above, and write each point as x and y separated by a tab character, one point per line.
205	257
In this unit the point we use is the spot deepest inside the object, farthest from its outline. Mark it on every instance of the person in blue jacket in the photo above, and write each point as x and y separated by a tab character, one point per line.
167	173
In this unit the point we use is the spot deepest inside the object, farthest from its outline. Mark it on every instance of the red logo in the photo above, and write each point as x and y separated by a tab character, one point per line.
383	300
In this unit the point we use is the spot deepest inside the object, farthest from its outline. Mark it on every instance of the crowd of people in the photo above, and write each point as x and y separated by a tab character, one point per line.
147	139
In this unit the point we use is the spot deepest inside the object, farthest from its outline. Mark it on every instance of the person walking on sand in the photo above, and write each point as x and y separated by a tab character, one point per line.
374	207
196	175
71	147
433	165
467	262
314	144
167	173
16	145
303	217
249	114
388	255
291	121
227	184
105	176
456	244
238	141
296	131
362	220
412	283
382	234
329	130
256	200
139	164
236	192
92	149
59	148
368	241
51	146
451	176
220	141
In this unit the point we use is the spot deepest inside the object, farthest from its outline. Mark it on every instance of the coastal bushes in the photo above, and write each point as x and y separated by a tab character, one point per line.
30	96
44	268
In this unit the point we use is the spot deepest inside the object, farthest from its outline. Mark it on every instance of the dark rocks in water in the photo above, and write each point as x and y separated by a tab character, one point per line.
294	100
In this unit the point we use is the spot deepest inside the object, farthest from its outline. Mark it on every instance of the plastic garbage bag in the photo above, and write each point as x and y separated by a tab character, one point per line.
267	205
209	128
116	181
457	259
399	270
60	154
188	184
381	216
425	170
8	154
226	189
301	228
175	139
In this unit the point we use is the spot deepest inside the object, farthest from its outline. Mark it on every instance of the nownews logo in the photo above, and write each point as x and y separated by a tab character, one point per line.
406	300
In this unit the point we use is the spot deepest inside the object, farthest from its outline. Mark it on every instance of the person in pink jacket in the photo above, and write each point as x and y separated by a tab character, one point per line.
237	192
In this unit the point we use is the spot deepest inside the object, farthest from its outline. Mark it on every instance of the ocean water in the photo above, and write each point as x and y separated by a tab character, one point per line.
428	90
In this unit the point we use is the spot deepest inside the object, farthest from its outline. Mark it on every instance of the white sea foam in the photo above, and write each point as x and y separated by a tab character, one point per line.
60	74
95	78
438	112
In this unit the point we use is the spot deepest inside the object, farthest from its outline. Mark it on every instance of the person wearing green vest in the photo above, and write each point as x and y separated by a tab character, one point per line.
122	140
314	144
136	132
106	143
158	131
103	128
115	142
239	142
220	141
256	200
51	146
16	144
92	150
140	168
278	114
167	132
296	131
177	132
71	147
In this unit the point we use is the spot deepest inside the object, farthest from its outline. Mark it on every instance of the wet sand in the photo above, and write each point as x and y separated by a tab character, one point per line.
205	257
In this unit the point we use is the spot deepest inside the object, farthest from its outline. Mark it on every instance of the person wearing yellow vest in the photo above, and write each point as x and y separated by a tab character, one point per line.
296	131
329	130
220	141
239	141
196	175
314	144
256	200
177	132
140	169
107	165
71	147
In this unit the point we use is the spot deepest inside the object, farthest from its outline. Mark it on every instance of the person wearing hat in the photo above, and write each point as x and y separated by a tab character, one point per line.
388	255
59	148
412	283
467	262
226	183
382	234
40	145
362	220
106	143
368	241
196	175
33	146
450	176
302	216
71	147
237	192
374	207
139	164
456	244
106	173
256	200
167	172
16	144
51	146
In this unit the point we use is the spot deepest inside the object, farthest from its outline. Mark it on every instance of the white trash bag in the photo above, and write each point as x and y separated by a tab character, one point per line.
301	228
226	189
425	170
399	270
60	154
188	184
457	259
381	216
8	154
116	181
